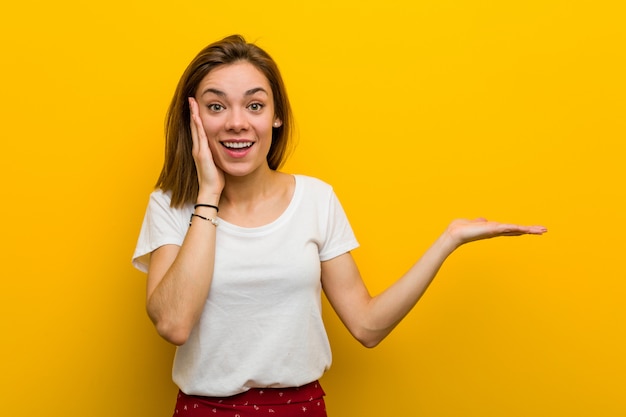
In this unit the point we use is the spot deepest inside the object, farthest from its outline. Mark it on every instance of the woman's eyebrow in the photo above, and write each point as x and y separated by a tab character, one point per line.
214	91
220	93
255	90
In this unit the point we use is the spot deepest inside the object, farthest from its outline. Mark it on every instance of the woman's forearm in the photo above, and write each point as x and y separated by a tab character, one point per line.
387	309
176	302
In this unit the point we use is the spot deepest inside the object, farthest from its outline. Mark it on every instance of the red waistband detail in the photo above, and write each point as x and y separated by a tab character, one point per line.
262	396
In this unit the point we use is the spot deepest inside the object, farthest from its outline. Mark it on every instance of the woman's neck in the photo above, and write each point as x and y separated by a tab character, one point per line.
253	201
250	188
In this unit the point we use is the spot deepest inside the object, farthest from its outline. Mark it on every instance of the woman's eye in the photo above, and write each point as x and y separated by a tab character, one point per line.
255	106
215	107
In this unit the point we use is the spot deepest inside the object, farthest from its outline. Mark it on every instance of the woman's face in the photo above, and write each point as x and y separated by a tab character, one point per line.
237	110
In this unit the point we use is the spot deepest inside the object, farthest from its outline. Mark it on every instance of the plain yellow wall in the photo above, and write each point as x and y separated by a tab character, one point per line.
417	112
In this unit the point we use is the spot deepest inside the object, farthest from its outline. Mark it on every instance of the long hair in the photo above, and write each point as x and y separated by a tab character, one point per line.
179	174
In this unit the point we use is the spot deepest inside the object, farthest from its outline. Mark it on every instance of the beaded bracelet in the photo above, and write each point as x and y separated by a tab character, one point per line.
206	205
213	221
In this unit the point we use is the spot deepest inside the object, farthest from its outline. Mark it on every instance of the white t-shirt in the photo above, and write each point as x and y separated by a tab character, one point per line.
261	325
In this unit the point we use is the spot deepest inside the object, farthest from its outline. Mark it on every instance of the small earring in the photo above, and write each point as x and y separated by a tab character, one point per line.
276	124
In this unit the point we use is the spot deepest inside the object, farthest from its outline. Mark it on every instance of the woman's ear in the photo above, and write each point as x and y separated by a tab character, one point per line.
277	123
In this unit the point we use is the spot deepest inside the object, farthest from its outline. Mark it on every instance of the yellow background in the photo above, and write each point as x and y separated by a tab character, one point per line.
417	112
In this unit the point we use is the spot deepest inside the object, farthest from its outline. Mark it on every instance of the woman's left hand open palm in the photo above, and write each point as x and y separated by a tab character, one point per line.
464	231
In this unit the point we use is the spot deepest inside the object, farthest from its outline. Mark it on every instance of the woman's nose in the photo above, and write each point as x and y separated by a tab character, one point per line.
236	120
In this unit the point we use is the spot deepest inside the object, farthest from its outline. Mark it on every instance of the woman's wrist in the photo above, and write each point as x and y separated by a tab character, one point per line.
211	206
207	205
211	199
448	243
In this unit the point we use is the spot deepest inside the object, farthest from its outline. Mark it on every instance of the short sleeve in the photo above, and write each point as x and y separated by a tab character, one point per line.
162	225
340	237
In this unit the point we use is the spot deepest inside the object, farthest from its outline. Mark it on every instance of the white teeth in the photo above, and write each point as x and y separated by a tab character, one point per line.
237	145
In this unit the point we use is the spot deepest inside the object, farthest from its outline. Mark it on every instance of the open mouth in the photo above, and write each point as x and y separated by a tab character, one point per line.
237	145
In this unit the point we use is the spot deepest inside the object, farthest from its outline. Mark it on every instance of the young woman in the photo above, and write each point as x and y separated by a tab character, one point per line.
237	252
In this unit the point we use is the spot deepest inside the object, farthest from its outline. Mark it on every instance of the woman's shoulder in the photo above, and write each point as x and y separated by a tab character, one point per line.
160	196
312	183
162	200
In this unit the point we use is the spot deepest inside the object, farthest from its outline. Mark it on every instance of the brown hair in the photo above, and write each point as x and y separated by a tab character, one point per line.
179	174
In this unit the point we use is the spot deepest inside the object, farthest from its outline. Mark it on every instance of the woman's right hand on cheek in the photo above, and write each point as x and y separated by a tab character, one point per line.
210	177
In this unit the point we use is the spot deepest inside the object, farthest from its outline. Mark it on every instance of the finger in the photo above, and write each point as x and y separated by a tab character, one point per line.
193	110
533	230
516	230
538	230
198	135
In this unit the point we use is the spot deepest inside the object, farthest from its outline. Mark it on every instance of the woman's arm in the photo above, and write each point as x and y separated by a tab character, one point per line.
371	319
179	278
